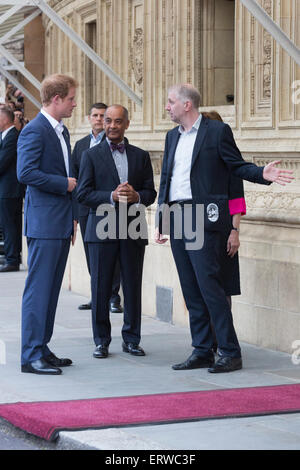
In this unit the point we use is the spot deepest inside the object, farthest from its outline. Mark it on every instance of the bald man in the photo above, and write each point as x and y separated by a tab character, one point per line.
116	178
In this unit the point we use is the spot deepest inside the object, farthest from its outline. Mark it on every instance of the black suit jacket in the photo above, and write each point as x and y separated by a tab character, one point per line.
98	177
80	146
215	158
9	185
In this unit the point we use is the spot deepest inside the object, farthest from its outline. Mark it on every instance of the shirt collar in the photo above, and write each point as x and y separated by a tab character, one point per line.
99	136
109	141
54	123
4	133
194	128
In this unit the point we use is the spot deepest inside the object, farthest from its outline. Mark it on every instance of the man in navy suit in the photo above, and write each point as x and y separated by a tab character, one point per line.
199	155
116	182
11	192
44	165
96	119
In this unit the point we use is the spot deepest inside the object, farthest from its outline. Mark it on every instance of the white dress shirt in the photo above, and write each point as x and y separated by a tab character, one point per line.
121	162
180	186
59	128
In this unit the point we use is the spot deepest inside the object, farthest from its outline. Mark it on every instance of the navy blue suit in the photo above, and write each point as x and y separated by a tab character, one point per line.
83	212
215	156
97	179
11	199
49	214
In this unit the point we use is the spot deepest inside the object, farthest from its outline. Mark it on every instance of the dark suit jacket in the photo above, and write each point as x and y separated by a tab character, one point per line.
9	185
98	177
215	157
80	146
49	209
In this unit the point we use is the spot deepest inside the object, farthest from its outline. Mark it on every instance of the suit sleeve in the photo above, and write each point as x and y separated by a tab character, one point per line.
30	150
75	174
233	159
159	215
86	192
75	161
147	193
8	153
163	177
237	203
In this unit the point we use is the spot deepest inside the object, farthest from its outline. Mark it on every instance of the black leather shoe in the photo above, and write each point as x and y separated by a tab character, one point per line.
194	362
226	364
101	352
57	362
87	306
133	349
41	367
115	308
7	268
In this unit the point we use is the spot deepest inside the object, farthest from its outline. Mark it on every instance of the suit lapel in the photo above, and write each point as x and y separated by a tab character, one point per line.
199	139
51	130
55	138
171	153
86	143
131	164
109	161
10	133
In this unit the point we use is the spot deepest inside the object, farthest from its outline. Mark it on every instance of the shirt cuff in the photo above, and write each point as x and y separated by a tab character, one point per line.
237	206
139	201
111	199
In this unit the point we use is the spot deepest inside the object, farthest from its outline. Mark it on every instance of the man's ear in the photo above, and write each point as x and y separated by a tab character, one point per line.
56	99
187	105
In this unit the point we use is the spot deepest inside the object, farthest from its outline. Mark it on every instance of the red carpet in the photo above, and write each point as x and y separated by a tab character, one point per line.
46	419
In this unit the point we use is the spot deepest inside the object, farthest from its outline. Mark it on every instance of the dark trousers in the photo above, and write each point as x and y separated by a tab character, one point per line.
11	223
115	297
46	266
103	259
199	274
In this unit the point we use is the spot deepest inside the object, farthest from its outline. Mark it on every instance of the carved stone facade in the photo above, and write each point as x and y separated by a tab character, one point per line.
137	57
241	72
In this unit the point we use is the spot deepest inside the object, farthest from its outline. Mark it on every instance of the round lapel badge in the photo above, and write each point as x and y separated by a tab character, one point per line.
212	212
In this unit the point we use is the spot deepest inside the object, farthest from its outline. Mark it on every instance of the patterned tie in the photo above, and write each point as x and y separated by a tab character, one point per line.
119	147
